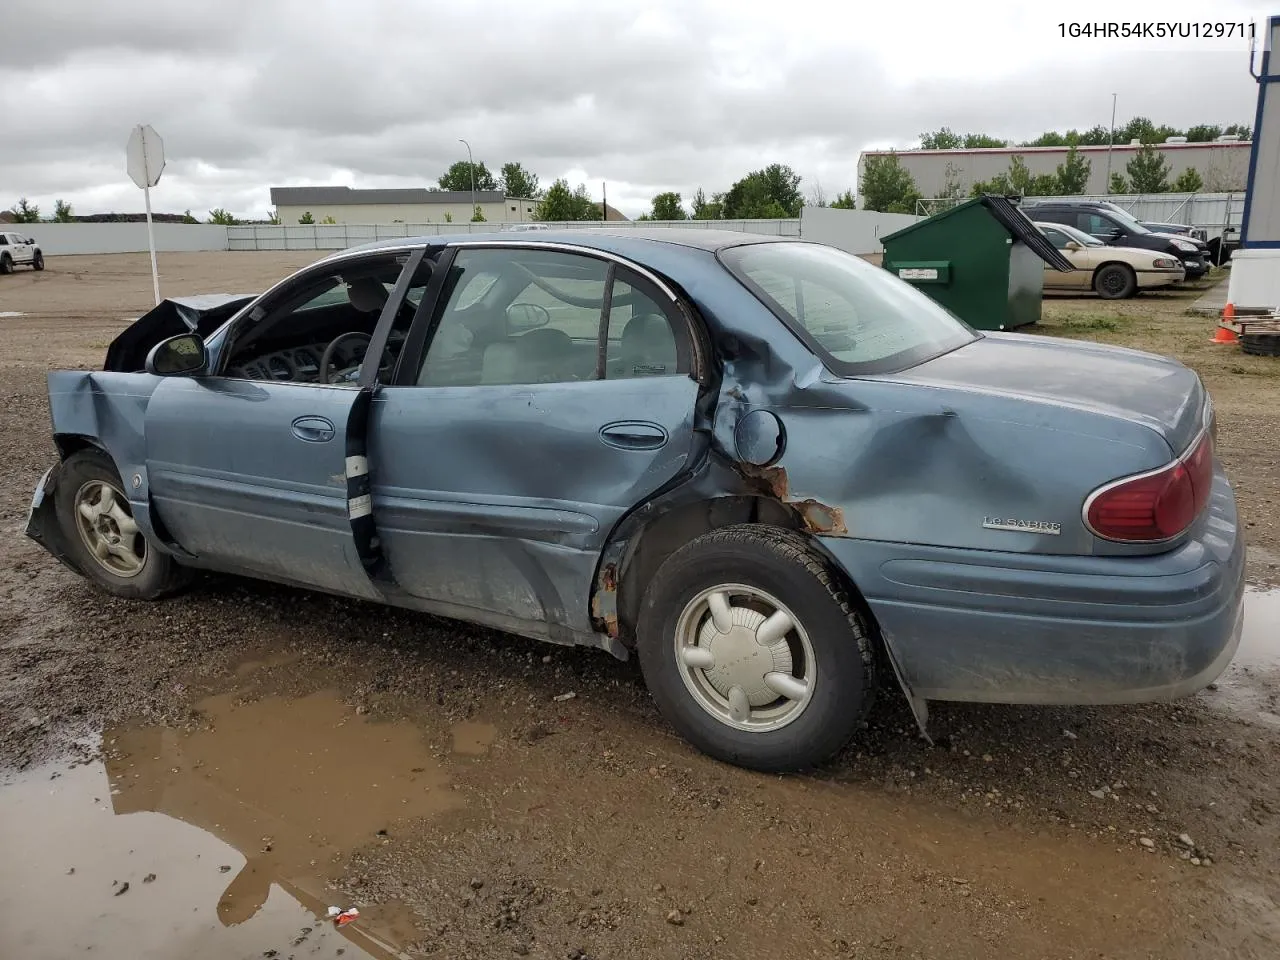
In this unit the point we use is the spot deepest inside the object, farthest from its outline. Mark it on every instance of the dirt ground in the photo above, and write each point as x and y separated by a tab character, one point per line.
205	776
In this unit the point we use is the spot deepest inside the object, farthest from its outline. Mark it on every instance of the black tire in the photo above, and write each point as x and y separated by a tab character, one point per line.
781	563
37	262
159	574
1115	281
6	263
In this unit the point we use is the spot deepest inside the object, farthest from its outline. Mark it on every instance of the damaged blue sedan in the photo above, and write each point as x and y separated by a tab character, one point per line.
778	474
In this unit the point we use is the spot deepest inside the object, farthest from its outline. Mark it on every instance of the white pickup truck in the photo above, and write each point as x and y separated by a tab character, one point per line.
15	248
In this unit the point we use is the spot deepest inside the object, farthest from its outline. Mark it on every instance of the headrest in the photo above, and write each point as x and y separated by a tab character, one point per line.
367	294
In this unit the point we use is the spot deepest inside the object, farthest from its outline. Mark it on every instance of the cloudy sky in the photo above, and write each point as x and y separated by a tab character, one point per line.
652	96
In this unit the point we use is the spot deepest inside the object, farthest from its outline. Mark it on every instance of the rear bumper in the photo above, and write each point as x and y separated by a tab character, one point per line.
1025	628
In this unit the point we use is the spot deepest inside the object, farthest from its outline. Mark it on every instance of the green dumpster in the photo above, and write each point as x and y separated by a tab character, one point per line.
983	260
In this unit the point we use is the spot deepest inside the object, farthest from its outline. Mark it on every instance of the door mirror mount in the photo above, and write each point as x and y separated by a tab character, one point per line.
183	355
1073	245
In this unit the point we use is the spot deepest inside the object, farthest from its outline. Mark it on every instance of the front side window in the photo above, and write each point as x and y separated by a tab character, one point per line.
539	318
859	318
1098	225
1056	237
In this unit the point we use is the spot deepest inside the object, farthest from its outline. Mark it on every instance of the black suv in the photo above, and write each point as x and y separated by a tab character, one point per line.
1117	228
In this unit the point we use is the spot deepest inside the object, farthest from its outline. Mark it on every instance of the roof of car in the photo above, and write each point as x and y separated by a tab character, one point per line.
603	238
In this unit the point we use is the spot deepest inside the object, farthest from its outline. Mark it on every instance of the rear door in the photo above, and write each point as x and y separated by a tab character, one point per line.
247	468
556	392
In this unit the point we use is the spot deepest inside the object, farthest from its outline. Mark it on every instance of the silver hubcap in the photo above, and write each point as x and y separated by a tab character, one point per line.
745	657
108	529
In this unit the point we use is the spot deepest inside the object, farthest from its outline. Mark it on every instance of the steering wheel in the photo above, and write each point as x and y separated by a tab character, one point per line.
329	351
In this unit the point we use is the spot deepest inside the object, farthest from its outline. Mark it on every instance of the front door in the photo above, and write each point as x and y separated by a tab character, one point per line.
1081	260
247	468
556	393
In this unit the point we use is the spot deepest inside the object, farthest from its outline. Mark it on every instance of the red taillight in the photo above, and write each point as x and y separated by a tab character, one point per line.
1154	506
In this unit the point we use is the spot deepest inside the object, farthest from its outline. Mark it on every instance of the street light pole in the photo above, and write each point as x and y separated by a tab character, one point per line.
472	166
1111	140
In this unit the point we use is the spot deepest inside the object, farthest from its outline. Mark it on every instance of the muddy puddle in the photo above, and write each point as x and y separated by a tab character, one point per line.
1250	686
219	842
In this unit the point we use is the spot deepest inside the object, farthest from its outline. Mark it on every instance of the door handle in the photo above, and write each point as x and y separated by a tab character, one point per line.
313	429
634	435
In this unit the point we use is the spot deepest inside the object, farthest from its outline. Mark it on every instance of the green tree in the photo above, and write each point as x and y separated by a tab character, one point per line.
1118	184
1148	171
1203	132
1140	129
329	220
222	217
61	211
704	209
1188	181
844	201
1073	173
307	218
942	139
1050	138
999	185
478	215
458	177
1239	130
886	187
519	182
560	204
1098	136
768	194
273	217
26	212
977	141
448	217
1019	176
668	206
188	218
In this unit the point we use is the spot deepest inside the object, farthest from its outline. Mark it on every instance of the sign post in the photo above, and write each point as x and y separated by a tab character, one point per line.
145	163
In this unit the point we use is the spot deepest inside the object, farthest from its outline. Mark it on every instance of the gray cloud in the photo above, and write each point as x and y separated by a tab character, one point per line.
672	96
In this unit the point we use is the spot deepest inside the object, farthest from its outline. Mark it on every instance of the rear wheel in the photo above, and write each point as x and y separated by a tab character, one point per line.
1115	281
101	536
752	651
37	262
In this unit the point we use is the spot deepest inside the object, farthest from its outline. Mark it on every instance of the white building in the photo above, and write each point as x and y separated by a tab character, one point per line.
399	205
1223	164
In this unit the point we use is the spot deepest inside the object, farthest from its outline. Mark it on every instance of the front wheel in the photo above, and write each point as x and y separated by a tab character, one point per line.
37	263
751	649
1115	281
6	263
101	536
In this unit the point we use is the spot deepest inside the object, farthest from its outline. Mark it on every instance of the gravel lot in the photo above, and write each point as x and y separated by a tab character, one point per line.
309	751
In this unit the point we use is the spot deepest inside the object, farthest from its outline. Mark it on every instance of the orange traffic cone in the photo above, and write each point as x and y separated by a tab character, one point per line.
1226	334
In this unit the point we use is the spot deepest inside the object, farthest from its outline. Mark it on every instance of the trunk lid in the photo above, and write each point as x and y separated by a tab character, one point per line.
1156	391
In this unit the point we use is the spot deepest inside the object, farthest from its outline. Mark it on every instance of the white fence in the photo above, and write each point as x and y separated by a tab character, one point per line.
854	231
1214	213
340	236
63	239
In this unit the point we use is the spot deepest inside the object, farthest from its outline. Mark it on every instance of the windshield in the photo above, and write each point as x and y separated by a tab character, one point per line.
1126	218
1079	236
859	318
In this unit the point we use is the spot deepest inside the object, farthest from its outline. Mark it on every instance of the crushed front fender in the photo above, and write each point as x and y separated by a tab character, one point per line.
42	521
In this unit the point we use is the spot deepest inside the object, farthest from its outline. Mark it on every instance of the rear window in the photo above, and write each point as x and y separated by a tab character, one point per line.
858	318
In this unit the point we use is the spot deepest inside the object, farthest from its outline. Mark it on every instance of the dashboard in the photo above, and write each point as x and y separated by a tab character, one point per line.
302	364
